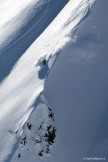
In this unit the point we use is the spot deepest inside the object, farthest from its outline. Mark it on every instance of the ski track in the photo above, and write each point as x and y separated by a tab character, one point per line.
25	34
18	16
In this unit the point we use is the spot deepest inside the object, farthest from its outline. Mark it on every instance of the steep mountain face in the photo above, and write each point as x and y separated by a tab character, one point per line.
77	89
70	113
19	18
26	20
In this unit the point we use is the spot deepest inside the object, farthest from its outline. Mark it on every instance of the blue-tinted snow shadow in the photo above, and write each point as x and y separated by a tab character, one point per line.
43	72
9	157
10	55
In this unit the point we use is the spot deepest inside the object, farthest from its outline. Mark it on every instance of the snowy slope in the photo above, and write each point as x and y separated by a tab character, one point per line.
13	15
20	92
34	24
77	89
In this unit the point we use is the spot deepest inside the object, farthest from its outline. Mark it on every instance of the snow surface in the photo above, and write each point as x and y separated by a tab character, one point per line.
14	15
77	89
76	92
38	19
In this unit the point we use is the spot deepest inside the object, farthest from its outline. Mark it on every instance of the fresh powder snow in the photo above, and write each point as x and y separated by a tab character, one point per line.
55	94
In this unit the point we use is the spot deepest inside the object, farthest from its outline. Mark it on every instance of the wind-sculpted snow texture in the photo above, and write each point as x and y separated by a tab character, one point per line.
20	29
30	123
77	89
